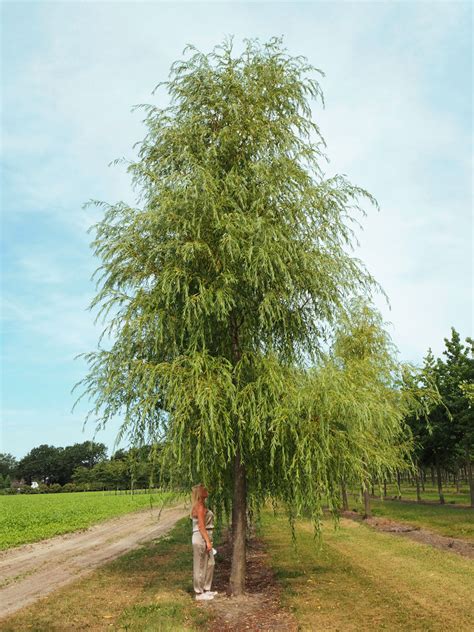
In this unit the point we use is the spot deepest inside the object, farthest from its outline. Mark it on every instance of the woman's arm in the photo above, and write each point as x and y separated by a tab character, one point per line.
201	515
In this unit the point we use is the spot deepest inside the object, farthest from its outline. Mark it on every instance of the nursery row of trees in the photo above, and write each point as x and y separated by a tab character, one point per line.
444	439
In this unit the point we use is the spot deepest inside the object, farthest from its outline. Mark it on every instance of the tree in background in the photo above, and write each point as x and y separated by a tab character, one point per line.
444	440
455	373
437	441
8	465
86	454
111	474
227	282
42	464
50	464
369	396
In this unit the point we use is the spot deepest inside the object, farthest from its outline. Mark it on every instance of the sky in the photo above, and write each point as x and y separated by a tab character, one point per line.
397	121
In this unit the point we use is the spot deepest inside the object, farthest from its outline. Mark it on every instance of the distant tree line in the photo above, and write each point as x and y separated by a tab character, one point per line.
444	437
80	467
444	440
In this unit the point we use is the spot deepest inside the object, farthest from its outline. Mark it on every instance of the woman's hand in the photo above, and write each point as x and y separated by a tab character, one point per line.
209	546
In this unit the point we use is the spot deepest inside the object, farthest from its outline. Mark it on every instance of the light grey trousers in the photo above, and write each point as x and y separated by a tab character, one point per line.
203	564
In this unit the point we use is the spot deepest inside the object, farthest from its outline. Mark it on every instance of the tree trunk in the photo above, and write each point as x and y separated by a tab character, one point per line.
385	488
440	483
239	499
239	528
399	494
417	481
367	512
423	479
345	502
469	474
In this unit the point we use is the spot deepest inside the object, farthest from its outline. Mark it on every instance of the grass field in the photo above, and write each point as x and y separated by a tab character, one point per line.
359	580
443	519
365	580
29	518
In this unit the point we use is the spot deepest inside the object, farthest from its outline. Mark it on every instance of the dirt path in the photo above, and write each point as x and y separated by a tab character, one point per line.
31	571
445	543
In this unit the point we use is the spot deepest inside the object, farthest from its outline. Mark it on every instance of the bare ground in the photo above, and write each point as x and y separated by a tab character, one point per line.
445	543
259	608
32	571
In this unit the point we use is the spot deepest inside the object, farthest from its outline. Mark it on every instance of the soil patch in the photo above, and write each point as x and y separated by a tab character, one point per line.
260	607
445	543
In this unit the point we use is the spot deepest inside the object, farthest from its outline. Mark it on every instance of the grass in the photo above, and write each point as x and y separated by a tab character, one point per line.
408	492
147	590
29	518
442	519
359	580
365	580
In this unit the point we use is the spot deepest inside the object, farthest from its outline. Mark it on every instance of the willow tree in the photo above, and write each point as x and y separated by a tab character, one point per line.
226	280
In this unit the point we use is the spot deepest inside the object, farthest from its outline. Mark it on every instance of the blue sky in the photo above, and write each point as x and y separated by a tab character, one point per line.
397	122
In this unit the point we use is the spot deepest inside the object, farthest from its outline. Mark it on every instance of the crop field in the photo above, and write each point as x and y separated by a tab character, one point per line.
29	518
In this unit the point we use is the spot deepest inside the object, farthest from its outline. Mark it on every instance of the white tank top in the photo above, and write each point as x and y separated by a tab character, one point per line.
209	522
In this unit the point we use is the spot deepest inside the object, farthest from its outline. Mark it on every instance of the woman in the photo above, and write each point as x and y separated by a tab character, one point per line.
203	555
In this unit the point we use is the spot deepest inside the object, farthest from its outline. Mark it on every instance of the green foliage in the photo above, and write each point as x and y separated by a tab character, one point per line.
230	279
133	468
446	436
8	464
52	464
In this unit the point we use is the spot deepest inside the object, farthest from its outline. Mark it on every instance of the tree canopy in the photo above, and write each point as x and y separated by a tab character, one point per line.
232	278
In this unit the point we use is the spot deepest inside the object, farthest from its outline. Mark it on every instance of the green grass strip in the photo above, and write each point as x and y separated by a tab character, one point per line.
364	580
442	519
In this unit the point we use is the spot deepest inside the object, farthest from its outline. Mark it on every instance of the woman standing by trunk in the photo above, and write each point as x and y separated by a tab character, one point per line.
203	554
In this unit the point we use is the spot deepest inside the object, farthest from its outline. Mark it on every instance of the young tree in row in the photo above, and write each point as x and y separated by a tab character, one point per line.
445	439
456	374
226	282
8	465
